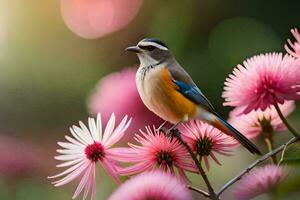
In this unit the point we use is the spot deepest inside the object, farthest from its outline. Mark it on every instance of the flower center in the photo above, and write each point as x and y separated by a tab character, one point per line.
94	152
164	158
266	127
268	84
204	146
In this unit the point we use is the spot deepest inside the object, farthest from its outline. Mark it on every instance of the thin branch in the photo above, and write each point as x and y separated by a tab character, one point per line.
283	151
263	158
205	194
286	123
212	193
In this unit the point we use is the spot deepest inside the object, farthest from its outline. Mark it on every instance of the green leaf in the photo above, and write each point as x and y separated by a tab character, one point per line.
292	154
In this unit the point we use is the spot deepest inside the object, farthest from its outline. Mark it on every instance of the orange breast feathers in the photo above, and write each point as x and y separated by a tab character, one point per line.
177	103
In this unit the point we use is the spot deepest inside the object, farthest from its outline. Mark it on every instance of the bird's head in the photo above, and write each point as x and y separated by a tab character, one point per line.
151	51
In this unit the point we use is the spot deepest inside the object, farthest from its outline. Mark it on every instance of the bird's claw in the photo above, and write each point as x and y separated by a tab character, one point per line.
161	127
164	130
169	132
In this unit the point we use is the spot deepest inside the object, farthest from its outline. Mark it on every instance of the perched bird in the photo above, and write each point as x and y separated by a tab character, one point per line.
168	90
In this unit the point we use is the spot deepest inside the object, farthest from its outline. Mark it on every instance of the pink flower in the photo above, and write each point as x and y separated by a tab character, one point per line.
264	80
156	150
259	181
205	141
87	147
96	18
257	121
117	93
294	48
153	185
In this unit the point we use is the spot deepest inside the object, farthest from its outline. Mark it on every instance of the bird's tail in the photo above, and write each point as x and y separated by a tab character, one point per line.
225	127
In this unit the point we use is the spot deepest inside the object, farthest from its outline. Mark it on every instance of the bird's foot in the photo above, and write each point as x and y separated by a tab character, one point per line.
165	131
161	128
174	127
170	133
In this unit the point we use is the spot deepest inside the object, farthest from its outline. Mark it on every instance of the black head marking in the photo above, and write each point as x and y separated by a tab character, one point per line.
155	41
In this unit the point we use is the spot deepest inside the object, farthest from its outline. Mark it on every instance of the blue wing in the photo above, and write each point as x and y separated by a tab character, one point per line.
187	87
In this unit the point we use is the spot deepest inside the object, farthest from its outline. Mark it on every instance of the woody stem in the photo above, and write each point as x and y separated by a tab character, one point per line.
212	194
255	163
205	194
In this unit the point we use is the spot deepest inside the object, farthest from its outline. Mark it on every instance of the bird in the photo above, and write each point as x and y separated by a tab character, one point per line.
169	91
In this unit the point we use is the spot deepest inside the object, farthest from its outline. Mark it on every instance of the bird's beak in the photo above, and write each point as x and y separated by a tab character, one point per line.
134	49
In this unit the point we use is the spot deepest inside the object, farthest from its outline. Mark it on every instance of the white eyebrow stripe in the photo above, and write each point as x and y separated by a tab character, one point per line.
153	44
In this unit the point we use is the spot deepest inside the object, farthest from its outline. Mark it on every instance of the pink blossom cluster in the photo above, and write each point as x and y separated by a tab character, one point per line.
263	90
93	144
261	83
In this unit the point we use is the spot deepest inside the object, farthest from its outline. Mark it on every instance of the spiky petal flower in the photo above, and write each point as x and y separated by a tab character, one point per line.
294	48
259	181
156	150
155	185
258	121
262	81
107	98
205	141
85	149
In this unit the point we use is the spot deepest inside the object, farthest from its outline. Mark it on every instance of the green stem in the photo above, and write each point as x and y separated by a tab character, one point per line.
282	153
291	129
267	133
270	146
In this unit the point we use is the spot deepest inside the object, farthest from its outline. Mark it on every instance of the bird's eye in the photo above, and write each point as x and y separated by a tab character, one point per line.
148	47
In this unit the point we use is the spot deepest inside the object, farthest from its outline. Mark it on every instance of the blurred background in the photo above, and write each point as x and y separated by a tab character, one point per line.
51	59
